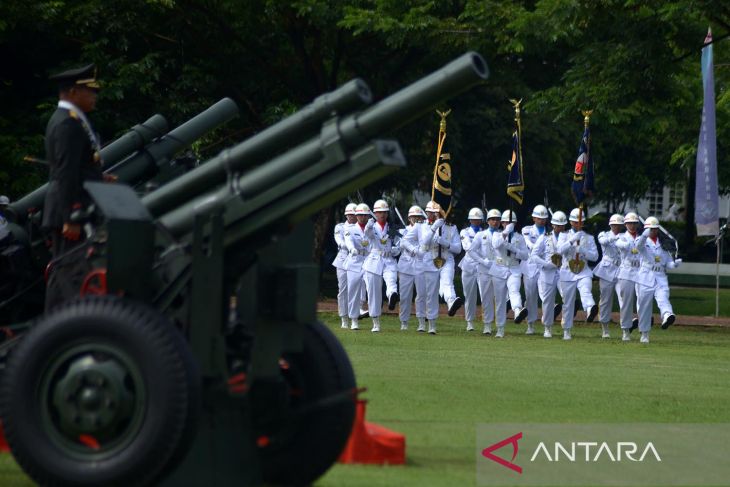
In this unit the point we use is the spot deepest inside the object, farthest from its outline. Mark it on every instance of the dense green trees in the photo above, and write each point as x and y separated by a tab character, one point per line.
635	63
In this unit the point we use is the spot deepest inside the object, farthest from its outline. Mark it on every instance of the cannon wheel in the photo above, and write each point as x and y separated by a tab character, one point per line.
98	393
301	444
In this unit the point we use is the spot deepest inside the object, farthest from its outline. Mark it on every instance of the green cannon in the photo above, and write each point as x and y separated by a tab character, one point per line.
145	153
194	355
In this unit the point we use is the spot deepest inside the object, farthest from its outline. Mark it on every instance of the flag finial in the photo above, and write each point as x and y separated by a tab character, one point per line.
586	117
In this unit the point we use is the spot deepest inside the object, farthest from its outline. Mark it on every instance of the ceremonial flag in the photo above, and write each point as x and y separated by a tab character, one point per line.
441	188
583	182
706	194
515	180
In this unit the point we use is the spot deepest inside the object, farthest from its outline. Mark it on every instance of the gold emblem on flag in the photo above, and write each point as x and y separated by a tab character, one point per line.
576	265
556	259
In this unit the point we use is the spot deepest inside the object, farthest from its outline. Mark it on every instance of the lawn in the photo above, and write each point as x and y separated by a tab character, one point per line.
436	389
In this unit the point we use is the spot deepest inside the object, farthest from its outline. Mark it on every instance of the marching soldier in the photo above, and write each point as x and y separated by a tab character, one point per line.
358	247
339	263
469	268
577	248
530	271
409	275
547	257
506	271
630	245
652	280
607	271
380	264
449	247
481	253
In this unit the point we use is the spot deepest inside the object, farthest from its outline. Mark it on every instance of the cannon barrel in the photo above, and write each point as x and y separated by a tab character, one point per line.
321	155
292	129
136	138
145	162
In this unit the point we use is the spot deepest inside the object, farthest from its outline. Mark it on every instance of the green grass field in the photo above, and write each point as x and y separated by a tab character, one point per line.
436	389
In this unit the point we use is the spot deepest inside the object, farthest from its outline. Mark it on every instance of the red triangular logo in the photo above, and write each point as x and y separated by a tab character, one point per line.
487	452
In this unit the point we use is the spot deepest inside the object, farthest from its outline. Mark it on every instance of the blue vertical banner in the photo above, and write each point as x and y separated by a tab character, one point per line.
583	184
706	195
515	179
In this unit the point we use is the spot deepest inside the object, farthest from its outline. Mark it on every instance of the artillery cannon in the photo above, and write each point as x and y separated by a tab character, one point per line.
146	152
194	356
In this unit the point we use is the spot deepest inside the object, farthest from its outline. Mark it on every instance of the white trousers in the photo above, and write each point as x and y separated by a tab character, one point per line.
605	301
342	292
428	288
406	284
644	305
513	287
531	294
501	288
471	288
486	294
390	276
661	294
374	284
548	291
626	300
355	293
446	282
569	288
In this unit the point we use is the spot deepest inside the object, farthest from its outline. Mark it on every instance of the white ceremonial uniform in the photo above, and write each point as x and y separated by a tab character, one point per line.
506	272
481	253
630	249
358	247
607	273
423	243
339	264
652	282
549	275
450	247
584	249
408	274
531	271
378	266
469	275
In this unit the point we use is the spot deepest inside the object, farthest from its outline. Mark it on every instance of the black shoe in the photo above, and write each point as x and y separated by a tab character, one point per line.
592	313
668	321
557	310
521	315
508	306
364	315
455	306
575	309
392	300
634	324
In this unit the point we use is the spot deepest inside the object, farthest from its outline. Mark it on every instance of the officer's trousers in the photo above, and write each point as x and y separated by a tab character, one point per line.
547	297
582	286
428	287
446	282
374	284
342	308
406	284
626	299
531	294
605	301
355	290
486	294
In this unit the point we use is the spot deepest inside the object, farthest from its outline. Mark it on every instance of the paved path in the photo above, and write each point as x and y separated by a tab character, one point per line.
329	304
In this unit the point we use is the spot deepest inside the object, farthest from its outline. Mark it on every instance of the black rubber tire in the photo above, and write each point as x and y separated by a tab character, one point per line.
151	346
304	448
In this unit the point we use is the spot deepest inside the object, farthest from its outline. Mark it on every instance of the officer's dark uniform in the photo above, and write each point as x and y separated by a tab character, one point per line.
72	151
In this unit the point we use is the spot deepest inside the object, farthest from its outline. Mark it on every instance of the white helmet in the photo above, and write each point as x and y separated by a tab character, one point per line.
381	205
575	213
350	209
540	212
506	216
616	219
476	214
362	209
433	207
651	222
494	213
559	218
415	210
4	200
631	217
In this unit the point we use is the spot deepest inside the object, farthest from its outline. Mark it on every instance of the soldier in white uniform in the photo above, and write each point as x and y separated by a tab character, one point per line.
481	253
546	256
652	280
469	268
530	270
577	248
409	273
358	248
629	244
424	241
449	248
607	271
380	264
339	263
506	270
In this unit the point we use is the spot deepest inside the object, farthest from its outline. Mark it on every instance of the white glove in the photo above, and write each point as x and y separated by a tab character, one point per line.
549	266
369	224
646	233
353	251
443	240
677	263
487	262
576	236
437	224
613	238
508	229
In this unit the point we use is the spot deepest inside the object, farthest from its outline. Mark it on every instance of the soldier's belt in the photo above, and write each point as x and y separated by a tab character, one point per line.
653	268
384	253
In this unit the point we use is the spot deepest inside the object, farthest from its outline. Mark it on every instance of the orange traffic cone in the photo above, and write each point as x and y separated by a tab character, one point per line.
373	444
